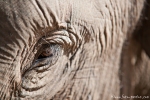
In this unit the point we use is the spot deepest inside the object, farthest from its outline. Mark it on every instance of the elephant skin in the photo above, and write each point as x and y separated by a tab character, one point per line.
73	49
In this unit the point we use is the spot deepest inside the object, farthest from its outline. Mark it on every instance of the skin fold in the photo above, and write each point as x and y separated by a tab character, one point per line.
73	49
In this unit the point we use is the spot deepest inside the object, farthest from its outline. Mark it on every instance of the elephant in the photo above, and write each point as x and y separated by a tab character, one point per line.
74	49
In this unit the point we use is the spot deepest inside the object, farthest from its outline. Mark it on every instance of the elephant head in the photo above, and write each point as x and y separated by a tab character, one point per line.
64	49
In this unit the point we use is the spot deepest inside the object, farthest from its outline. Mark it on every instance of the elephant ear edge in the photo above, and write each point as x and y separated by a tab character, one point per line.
142	34
139	58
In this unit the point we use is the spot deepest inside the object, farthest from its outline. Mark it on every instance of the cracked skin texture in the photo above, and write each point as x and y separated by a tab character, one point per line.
97	49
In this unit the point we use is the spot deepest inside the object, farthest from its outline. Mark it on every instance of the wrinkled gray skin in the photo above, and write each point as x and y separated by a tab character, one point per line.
96	54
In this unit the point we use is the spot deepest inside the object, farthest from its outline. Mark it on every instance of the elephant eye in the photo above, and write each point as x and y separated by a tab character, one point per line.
47	52
46	56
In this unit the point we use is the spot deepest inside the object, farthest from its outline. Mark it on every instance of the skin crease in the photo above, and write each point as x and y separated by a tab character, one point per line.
91	35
